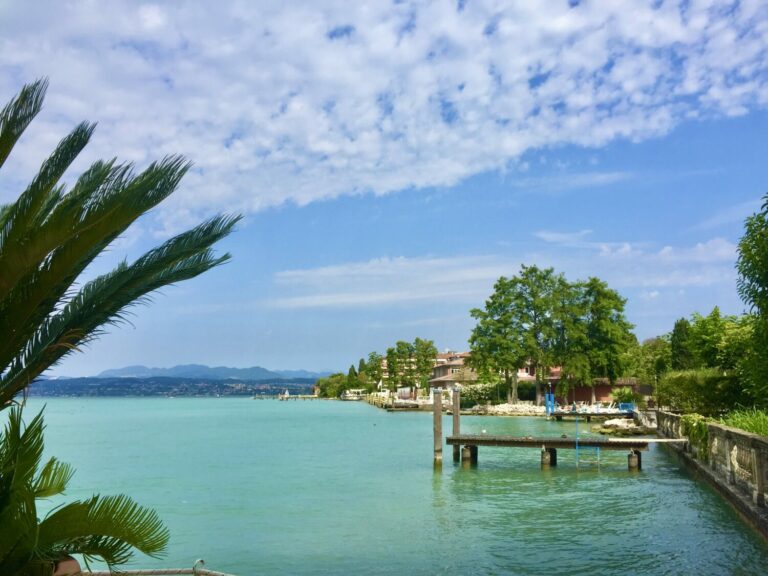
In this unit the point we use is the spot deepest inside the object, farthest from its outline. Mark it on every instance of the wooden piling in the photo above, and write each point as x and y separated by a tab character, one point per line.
456	422
437	407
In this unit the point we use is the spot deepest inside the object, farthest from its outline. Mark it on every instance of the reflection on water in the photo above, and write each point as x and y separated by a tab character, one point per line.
341	488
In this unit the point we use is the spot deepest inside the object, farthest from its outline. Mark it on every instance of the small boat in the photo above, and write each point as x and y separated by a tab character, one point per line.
284	396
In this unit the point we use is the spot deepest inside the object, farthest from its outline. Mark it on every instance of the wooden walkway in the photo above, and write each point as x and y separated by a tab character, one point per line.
549	442
465	446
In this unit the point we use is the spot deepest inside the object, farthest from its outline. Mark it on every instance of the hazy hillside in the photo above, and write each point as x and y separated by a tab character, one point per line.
211	373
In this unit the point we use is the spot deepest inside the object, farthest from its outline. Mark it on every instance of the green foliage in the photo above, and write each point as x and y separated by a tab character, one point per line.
48	238
752	284
706	336
754	421
681	346
485	393
373	369
424	360
709	391
623	394
694	426
333	385
106	528
608	331
539	318
654	359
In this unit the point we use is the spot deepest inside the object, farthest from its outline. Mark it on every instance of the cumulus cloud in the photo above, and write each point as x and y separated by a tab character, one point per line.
295	102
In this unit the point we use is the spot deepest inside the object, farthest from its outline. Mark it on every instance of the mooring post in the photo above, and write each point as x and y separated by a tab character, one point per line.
634	460
548	457
473	454
437	406
456	422
545	457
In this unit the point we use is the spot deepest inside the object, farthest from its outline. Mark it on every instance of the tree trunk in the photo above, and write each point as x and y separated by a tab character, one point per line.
538	392
593	395
511	381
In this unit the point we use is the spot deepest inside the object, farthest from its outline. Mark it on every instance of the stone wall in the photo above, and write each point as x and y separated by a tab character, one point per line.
735	461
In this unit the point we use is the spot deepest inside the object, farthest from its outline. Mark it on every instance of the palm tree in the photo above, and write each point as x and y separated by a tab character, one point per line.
103	527
47	239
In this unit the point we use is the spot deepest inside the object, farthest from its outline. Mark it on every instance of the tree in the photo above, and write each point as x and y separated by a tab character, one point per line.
752	284
681	346
706	334
571	343
393	369
352	378
406	375
373	368
607	330
424	353
47	239
497	341
104	527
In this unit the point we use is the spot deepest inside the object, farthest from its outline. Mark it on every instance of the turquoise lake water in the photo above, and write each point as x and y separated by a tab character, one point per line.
268	487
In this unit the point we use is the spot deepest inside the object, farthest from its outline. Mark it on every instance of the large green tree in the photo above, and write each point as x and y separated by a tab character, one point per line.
752	266
497	342
424	354
608	330
48	237
536	291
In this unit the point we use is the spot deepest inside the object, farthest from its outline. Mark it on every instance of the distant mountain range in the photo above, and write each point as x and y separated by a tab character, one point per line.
209	372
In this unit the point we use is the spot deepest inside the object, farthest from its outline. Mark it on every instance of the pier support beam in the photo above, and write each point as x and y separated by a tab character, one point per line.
437	405
548	457
634	460
469	454
456	422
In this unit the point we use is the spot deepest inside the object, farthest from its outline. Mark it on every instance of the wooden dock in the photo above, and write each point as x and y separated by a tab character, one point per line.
465	446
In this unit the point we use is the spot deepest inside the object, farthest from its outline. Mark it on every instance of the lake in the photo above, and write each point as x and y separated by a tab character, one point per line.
322	487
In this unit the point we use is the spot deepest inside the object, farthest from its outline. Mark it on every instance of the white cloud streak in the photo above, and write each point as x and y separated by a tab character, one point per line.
296	102
469	279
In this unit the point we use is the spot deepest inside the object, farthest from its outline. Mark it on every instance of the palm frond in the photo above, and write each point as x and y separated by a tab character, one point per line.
103	301
105	527
53	479
18	113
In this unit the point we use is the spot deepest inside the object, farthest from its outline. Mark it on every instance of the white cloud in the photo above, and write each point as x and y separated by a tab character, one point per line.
295	102
733	215
470	279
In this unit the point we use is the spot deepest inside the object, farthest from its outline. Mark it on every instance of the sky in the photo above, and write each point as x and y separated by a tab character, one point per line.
393	159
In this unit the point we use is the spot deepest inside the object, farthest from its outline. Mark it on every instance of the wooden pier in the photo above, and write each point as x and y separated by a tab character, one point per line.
465	446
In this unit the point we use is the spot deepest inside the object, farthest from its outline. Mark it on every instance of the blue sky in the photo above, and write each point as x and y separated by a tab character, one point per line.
393	160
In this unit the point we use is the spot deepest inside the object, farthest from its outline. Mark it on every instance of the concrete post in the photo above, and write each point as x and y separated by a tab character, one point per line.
456	422
548	457
473	454
437	407
634	460
465	454
545	458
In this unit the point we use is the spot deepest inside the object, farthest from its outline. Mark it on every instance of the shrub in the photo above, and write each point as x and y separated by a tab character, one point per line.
710	392
754	421
694	426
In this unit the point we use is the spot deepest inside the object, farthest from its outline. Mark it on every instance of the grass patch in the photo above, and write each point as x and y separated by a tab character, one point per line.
754	421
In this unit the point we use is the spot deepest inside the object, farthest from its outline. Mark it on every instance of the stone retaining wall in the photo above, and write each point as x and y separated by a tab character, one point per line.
736	462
